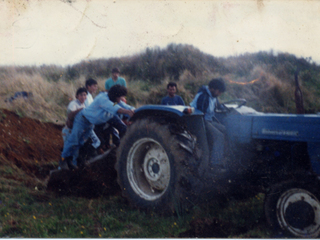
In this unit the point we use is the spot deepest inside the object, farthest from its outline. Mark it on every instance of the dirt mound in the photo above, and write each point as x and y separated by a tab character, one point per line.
28	145
30	149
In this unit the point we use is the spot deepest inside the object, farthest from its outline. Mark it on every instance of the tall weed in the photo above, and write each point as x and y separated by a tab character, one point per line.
267	86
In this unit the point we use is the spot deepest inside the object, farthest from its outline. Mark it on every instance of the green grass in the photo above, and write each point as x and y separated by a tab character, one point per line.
24	215
31	213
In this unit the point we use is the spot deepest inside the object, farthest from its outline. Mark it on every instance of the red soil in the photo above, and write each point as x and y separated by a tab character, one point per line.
28	145
32	149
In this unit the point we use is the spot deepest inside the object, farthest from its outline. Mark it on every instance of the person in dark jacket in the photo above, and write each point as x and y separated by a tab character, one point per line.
206	101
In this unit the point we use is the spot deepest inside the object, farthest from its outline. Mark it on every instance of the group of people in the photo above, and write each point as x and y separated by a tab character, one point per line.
86	114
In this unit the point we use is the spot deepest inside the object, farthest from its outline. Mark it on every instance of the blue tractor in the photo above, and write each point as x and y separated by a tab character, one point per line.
163	162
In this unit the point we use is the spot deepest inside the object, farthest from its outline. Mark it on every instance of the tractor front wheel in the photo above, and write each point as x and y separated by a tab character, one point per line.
295	208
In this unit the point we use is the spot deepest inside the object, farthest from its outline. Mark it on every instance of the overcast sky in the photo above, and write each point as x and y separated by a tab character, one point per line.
66	32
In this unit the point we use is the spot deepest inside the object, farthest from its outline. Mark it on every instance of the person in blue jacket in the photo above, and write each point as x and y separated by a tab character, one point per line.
206	101
172	98
104	108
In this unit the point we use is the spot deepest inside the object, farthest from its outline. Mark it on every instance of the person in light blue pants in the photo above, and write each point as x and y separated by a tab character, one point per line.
104	108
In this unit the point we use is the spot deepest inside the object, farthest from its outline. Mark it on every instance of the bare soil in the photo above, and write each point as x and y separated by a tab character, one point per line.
32	148
28	146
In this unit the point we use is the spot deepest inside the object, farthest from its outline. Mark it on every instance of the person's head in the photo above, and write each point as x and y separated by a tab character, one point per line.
217	87
81	94
116	92
171	89
91	85
115	73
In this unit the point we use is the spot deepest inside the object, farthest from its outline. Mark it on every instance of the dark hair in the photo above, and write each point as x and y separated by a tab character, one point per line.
172	84
115	70
117	91
217	83
81	90
90	82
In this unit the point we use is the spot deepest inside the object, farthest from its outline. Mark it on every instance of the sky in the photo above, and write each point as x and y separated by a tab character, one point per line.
65	32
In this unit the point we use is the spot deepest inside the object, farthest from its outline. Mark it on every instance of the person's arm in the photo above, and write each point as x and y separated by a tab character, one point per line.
220	106
194	101
71	116
129	112
125	106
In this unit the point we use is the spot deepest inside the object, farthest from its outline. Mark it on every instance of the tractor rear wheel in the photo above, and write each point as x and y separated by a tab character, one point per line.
154	171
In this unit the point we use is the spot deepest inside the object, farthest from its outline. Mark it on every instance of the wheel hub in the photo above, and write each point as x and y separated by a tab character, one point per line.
300	214
153	169
156	167
148	169
298	211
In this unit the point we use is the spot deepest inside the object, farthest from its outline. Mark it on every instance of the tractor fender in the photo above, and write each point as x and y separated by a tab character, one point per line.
164	111
181	116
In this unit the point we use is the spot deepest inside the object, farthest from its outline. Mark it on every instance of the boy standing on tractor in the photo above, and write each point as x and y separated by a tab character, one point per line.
104	108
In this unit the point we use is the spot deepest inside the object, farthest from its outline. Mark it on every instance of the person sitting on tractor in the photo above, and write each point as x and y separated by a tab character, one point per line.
172	98
104	108
206	101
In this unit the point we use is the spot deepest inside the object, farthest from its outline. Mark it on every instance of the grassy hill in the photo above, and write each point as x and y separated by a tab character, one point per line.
264	79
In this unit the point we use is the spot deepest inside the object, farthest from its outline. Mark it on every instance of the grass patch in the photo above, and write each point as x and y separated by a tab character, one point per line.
32	213
60	217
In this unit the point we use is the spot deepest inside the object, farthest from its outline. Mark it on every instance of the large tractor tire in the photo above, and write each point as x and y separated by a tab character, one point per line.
295	208
155	172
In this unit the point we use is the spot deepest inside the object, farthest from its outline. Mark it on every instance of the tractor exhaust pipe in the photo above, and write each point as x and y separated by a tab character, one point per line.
298	95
